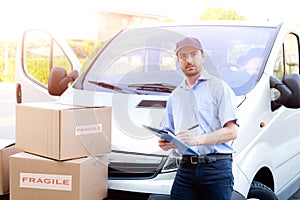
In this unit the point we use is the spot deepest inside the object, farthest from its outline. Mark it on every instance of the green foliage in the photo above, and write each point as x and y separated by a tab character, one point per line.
37	69
7	73
7	69
11	45
218	13
85	50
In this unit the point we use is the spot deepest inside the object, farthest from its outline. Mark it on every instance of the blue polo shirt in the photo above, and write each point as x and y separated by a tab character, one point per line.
208	103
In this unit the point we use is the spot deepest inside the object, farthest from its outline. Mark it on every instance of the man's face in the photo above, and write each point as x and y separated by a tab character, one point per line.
190	60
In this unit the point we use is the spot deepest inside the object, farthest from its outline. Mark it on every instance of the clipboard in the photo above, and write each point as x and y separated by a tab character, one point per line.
169	137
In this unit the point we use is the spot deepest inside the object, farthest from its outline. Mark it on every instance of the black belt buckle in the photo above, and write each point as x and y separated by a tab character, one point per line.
194	160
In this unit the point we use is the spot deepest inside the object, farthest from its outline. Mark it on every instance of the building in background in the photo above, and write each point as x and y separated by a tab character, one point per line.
78	19
114	15
110	22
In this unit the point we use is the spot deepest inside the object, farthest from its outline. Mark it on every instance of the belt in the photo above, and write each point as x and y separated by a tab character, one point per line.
207	158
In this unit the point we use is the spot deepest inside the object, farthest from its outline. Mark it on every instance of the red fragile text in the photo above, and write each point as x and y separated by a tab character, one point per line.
50	181
90	128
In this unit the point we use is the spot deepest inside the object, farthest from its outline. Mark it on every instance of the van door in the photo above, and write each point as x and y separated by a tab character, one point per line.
38	52
285	129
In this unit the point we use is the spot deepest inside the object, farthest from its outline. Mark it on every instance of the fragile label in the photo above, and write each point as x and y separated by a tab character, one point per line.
46	181
88	129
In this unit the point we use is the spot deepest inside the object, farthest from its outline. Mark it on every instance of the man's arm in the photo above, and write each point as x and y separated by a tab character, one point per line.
225	134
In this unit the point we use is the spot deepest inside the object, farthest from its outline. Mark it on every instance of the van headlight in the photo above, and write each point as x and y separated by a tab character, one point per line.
172	162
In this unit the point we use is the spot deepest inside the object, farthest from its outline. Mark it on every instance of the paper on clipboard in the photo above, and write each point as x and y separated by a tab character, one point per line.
169	137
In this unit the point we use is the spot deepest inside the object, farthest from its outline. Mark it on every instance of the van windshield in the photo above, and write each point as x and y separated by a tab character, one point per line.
143	61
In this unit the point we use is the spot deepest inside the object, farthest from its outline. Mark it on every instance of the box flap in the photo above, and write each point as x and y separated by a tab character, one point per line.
46	105
6	143
55	106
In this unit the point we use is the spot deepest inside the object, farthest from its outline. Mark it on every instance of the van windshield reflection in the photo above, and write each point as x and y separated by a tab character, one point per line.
139	60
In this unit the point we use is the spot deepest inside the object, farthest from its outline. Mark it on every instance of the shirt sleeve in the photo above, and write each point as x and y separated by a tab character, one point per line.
168	123
227	106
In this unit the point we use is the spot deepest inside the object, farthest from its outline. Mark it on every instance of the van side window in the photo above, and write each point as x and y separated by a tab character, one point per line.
288	58
41	53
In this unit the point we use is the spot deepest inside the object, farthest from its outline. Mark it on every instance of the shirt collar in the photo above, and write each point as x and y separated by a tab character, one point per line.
203	77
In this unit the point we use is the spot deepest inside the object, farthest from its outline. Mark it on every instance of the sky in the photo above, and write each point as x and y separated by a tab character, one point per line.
254	10
183	10
73	15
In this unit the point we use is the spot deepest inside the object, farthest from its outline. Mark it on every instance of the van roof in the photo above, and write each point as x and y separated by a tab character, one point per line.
209	22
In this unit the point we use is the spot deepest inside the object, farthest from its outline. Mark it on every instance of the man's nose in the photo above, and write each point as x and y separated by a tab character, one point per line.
189	58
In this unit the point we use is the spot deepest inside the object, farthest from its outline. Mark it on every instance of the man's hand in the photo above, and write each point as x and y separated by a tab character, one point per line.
186	137
225	134
165	145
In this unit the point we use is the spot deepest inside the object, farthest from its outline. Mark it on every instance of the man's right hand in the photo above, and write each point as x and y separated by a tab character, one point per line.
165	145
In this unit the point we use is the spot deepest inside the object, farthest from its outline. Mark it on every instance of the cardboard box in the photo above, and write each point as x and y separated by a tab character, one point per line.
63	132
34	177
7	148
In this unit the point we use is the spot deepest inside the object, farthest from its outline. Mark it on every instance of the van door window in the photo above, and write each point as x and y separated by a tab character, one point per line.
41	53
287	62
288	58
291	52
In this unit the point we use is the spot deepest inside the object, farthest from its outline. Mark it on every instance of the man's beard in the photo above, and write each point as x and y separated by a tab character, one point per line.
191	73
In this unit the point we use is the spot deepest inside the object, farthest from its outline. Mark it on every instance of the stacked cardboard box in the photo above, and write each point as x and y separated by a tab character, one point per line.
34	177
64	152
7	148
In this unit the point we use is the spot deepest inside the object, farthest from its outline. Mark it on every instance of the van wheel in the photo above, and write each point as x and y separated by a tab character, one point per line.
261	191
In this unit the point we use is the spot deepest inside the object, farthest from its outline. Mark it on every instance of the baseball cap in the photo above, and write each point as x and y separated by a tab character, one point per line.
188	41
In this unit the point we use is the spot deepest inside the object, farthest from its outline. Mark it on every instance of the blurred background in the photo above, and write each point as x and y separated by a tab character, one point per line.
87	24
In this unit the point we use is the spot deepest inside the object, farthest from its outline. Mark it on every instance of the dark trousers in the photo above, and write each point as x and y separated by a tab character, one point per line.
211	181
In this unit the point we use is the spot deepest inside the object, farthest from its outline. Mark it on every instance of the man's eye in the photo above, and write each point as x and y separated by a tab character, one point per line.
183	56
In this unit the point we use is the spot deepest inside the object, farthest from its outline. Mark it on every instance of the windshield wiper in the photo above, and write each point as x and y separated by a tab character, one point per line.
113	87
156	87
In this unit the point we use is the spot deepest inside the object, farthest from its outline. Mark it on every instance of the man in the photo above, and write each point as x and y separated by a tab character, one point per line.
205	101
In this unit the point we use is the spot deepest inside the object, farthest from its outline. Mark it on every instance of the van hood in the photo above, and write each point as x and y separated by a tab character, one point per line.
129	114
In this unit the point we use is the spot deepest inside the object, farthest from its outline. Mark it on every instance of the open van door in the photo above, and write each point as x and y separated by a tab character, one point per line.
37	54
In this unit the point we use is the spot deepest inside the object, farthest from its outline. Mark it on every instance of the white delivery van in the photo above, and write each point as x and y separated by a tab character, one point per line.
136	71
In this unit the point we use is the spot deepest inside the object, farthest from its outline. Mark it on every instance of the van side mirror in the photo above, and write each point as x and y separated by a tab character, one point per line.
285	93
59	80
292	81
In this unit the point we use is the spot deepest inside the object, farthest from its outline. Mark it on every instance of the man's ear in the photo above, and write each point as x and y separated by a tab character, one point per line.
203	56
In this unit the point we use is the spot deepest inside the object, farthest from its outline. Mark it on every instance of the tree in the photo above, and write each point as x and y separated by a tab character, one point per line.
218	13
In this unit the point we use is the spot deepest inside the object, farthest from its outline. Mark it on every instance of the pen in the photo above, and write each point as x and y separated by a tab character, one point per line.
195	126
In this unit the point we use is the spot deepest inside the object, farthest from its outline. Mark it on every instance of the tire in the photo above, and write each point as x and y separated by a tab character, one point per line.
261	191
